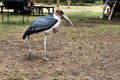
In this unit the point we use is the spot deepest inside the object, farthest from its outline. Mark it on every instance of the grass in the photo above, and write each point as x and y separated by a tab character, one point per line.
76	16
15	23
103	28
84	16
0	3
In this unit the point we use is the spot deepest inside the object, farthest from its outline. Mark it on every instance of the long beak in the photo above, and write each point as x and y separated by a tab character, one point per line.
67	19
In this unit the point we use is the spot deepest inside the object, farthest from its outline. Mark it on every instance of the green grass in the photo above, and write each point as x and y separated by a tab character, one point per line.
9	28
93	17
15	23
0	3
82	17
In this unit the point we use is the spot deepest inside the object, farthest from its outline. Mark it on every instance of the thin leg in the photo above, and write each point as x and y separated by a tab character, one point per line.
30	51
44	54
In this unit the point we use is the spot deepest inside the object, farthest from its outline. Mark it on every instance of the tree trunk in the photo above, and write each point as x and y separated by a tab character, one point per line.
68	1
49	2
81	2
58	3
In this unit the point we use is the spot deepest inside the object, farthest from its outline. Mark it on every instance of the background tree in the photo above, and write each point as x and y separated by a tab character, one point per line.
50	2
81	2
68	2
58	3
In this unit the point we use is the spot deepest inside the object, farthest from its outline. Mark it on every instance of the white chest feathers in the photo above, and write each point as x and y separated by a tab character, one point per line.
56	25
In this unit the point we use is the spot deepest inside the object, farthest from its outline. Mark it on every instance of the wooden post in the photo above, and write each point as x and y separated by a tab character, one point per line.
112	10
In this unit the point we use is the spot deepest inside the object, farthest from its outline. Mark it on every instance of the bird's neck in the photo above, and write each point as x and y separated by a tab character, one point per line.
57	17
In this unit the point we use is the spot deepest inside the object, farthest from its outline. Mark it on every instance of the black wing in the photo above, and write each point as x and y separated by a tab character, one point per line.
40	24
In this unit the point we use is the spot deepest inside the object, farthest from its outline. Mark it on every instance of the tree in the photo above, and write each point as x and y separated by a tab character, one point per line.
58	3
68	2
81	2
50	2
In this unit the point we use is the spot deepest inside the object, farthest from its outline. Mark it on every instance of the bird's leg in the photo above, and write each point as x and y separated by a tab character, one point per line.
44	54
30	51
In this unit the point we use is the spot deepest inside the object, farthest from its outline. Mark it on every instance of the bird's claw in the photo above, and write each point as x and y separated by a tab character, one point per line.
45	59
30	54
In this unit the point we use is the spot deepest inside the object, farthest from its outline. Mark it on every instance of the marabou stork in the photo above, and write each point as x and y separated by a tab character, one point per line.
45	24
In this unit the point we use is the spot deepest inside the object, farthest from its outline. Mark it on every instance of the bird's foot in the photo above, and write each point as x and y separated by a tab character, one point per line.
29	54
45	59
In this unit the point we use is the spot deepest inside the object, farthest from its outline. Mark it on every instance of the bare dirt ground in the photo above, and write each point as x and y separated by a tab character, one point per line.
74	55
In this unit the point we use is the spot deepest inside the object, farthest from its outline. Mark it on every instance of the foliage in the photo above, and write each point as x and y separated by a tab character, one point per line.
89	1
65	2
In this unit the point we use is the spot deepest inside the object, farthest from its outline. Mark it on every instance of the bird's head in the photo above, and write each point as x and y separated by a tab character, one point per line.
61	14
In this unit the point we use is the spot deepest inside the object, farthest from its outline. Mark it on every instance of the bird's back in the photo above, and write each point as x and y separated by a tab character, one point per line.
40	24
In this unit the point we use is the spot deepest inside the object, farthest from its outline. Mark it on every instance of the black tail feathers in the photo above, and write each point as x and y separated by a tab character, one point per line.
25	34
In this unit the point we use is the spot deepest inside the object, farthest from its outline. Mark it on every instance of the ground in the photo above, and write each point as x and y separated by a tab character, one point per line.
78	56
75	52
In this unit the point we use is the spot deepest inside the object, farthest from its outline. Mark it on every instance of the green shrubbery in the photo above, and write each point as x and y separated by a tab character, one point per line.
89	1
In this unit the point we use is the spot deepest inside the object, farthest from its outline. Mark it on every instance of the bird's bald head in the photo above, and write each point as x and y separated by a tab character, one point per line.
59	12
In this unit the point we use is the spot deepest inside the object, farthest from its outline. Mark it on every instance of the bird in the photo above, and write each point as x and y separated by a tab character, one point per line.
45	24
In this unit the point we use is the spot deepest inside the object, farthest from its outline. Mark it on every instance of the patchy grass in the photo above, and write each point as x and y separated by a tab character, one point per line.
15	23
